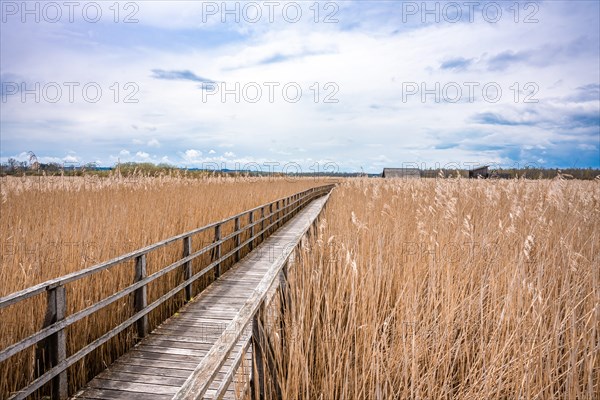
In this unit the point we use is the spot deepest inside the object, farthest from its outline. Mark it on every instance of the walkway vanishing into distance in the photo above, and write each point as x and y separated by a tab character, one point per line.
206	349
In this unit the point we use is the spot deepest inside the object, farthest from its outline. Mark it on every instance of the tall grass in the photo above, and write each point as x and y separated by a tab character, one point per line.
51	226
447	289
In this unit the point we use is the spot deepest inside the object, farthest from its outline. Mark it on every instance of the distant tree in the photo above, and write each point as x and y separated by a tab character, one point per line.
12	164
33	161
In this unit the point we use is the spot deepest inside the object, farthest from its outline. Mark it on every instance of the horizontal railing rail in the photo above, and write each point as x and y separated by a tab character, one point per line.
278	212
204	374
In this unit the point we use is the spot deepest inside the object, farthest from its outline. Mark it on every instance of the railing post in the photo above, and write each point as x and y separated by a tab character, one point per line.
53	350
262	223
218	250
285	302
140	300
278	216
251	222
270	218
187	267
258	368
237	238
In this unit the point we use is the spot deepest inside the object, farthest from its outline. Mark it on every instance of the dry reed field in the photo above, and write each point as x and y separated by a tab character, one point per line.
447	289
51	226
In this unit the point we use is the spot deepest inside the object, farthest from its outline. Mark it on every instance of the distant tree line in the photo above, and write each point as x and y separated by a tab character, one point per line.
20	168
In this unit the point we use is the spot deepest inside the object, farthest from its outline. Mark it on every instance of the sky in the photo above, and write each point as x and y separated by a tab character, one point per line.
345	86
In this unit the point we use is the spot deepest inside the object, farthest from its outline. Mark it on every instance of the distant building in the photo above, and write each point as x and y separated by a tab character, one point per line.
481	172
410	173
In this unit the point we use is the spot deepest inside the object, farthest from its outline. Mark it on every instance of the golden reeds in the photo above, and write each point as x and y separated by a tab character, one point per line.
447	289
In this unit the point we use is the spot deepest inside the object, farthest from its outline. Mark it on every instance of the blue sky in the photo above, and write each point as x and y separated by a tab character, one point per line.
382	83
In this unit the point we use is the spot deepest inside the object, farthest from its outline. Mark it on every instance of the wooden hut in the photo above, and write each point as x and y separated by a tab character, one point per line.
481	172
408	173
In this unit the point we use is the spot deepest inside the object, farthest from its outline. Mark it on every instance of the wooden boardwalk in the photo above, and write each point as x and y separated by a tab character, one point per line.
158	366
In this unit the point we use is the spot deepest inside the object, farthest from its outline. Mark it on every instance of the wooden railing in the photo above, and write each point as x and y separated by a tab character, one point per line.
53	333
249	316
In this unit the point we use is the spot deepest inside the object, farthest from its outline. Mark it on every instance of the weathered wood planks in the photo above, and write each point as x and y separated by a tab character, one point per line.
201	348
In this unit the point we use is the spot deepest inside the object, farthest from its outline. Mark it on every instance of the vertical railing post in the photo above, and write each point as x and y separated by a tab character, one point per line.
278	216
251	222
140	300
270	218
297	201
285	302
262	224
237	238
53	350
258	368
218	250
187	267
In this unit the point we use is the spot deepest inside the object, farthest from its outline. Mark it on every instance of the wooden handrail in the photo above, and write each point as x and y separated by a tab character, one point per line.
200	380
139	287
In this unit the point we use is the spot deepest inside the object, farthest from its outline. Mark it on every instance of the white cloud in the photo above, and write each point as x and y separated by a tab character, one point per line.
212	152
142	155
153	143
192	155
229	154
124	153
71	159
586	146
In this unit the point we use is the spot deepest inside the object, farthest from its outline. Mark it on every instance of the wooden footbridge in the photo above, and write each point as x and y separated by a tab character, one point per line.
211	348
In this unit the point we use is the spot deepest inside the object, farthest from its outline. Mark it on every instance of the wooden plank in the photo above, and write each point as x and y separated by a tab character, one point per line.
155	371
188	331
189	328
152	370
141	361
203	319
165	335
132	387
175	351
189	325
107	394
149	355
175	344
137	377
222	312
210	306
